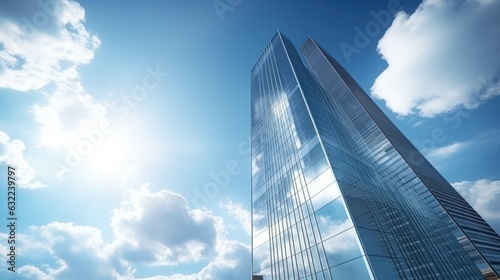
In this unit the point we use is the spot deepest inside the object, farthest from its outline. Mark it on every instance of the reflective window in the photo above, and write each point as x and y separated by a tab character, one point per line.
315	169
355	269
260	238
312	153
342	247
261	257
261	225
332	219
325	196
323	180
297	196
382	267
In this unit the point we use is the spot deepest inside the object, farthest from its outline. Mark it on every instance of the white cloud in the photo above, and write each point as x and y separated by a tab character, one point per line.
69	112
151	228
12	154
33	272
231	263
41	47
241	214
160	229
484	197
46	42
446	151
172	277
78	250
442	56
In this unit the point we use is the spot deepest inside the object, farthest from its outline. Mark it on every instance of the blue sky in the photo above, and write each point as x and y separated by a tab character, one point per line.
129	124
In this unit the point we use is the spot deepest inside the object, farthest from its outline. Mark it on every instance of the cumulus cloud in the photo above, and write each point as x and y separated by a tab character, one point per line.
443	56
12	154
41	47
484	197
151	228
160	222
446	151
172	277
160	229
38	45
233	262
78	250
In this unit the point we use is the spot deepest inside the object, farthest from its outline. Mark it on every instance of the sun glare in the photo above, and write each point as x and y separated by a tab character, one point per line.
113	154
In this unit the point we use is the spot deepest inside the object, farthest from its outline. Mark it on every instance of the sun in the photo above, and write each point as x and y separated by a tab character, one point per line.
114	153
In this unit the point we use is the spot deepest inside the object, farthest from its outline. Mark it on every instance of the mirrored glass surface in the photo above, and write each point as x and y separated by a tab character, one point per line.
342	247
355	269
332	219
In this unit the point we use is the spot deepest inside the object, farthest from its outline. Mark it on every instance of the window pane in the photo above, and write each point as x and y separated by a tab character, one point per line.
325	196
323	180
342	248
355	269
332	219
261	257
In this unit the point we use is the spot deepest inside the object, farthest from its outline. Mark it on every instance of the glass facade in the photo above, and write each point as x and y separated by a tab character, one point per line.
339	193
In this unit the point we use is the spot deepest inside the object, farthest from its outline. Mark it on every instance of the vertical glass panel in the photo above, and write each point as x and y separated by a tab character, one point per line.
308	147
327	275
266	273
382	267
311	152
260	200
305	136
325	196
342	248
261	225
315	169
258	214
261	238
261	257
371	240
301	268
332	219
355	269
258	190
323	180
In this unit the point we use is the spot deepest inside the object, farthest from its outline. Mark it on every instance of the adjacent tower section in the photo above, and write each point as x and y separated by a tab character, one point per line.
338	192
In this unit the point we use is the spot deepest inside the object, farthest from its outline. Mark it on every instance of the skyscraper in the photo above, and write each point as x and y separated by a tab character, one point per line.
338	192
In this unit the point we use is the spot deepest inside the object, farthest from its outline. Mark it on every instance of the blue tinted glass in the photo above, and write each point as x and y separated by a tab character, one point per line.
382	267
319	183
315	169
355	269
312	156
332	219
261	256
325	196
342	247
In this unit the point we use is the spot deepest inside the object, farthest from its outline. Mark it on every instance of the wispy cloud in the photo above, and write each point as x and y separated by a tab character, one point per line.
241	214
437	59
446	151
